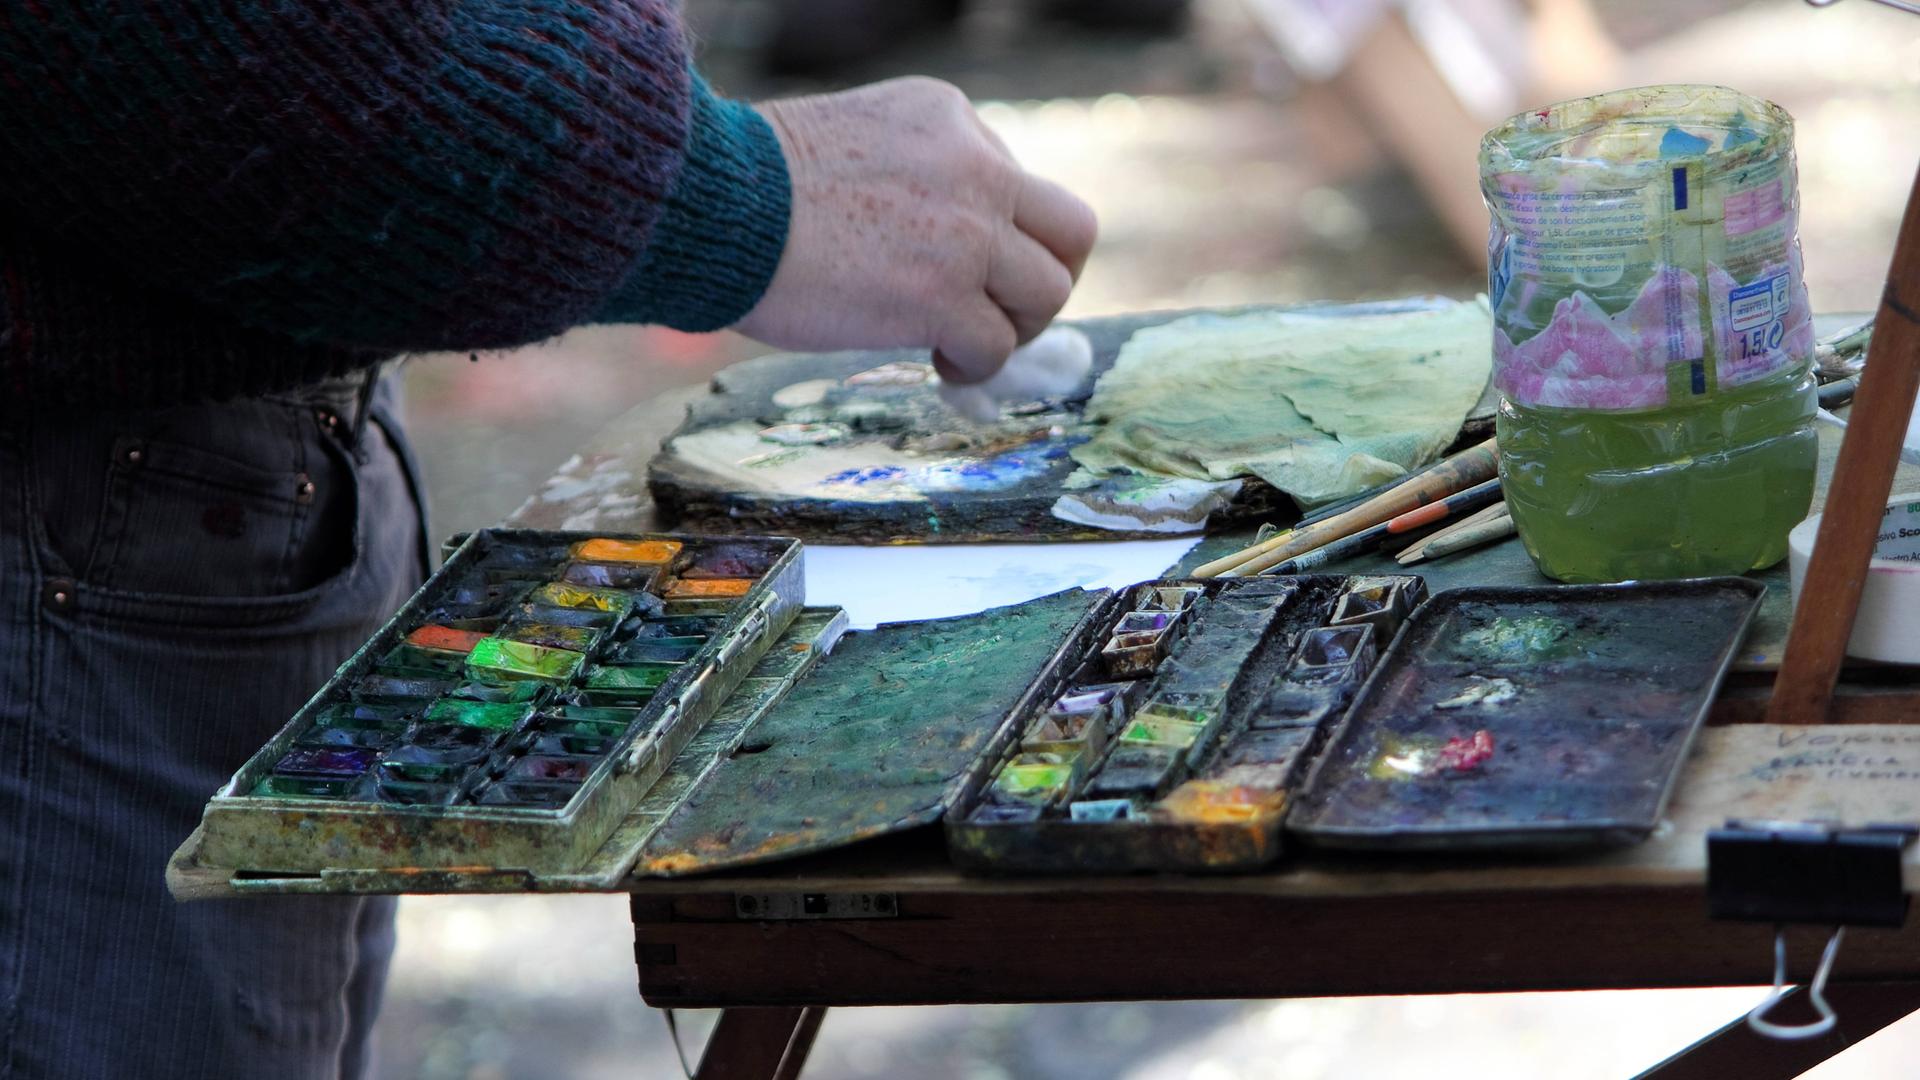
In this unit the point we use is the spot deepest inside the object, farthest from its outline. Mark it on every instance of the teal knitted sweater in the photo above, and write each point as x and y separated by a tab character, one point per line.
208	198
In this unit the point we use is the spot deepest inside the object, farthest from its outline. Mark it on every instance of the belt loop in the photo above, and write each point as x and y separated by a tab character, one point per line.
370	379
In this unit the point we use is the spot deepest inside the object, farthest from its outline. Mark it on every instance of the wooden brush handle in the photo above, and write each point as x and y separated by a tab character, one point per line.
1469	467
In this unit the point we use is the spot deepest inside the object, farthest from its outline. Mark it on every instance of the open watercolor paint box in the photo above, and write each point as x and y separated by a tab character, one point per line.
1176	725
1179	751
515	709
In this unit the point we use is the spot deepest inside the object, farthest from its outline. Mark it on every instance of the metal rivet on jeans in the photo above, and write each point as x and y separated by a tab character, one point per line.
133	455
58	593
303	491
327	418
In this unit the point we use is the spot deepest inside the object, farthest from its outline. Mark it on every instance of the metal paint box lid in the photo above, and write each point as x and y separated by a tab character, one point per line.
1527	718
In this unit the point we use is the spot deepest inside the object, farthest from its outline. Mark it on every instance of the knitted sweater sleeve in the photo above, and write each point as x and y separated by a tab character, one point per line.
391	176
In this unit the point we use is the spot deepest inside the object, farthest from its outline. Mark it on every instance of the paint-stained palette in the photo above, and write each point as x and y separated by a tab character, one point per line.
514	709
855	447
1528	718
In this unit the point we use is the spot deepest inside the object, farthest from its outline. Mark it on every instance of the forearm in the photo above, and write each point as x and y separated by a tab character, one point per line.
399	177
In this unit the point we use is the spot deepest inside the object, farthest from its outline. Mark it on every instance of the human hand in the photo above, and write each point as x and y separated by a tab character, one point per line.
913	227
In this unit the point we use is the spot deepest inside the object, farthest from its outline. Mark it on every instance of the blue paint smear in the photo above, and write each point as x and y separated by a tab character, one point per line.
867	475
1676	143
998	473
1002	471
1741	133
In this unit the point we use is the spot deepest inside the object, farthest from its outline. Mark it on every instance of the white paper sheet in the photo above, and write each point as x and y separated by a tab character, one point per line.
893	584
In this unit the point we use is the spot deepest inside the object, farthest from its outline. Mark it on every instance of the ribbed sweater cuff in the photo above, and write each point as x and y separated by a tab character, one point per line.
720	235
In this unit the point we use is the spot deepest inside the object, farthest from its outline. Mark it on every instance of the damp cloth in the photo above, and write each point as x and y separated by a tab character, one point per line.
1052	365
1318	406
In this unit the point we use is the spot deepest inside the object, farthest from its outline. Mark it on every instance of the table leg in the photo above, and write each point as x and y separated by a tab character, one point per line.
1737	1051
760	1044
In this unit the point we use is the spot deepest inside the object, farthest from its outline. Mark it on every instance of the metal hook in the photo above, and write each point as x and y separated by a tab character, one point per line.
1816	992
1898	5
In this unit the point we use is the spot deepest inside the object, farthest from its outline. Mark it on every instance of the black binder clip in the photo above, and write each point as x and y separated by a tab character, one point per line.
1806	872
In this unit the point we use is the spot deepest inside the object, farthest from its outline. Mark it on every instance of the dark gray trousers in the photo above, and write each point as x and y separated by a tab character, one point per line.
173	585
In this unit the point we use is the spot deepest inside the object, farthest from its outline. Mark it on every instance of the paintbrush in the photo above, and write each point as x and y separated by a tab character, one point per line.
1461	471
1321	513
1377	536
1493	523
1486	532
1412	550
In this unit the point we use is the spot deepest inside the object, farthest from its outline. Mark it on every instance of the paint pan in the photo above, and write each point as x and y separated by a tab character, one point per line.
534	556
1294	706
504	658
366	727
679	627
398	690
1381	603
1333	654
1098	699
643	577
707	588
446	638
484	627
1211	802
1146	622
1077	737
1186	708
417	766
604	549
551	768
657	650
994	811
1277	747
1135	770
1133	656
1101	810
580	639
1034	778
1169	597
1161	730
549	615
409	661
533	796
583	598
712	607
1274	777
480	599
498	691
596	714
574	737
720	560
636	676
1527	718
318	772
495	716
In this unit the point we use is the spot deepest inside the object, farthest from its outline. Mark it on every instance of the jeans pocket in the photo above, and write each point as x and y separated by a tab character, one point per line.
226	516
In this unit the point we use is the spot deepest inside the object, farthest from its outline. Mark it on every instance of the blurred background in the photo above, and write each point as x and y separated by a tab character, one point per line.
1237	151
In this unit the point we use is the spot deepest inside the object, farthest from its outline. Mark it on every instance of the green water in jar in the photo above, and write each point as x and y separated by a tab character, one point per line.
1704	488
